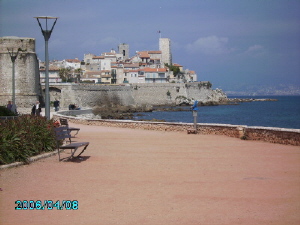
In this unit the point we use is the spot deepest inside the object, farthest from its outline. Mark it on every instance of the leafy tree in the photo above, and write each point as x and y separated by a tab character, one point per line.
65	74
175	69
78	74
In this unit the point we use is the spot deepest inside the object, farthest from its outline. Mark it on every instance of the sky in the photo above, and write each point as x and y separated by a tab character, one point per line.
231	43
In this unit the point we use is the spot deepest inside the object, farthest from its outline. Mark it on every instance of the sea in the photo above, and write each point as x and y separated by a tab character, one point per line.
284	113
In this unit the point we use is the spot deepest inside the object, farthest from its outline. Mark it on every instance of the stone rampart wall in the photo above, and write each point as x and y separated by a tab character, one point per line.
273	135
92	95
89	95
157	94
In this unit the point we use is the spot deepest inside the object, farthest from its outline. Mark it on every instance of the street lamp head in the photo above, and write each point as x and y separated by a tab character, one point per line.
46	33
45	17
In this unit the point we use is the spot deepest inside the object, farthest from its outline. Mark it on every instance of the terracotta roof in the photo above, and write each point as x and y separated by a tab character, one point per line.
131	65
143	54
98	57
143	64
176	64
73	60
154	52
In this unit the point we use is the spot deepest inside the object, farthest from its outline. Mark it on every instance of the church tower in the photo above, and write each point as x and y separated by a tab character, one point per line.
165	48
124	50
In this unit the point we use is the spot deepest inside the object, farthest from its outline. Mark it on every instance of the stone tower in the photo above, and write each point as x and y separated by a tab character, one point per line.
27	80
165	48
124	50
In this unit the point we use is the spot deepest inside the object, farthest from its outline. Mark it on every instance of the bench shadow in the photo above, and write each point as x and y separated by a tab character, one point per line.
79	159
75	159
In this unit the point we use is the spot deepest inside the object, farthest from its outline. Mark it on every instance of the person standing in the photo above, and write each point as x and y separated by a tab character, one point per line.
38	108
12	107
33	110
56	105
9	105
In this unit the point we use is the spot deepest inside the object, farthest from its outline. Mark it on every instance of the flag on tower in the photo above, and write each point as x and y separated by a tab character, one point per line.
159	33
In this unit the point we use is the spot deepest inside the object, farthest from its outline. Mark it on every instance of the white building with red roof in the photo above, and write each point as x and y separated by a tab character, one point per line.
71	63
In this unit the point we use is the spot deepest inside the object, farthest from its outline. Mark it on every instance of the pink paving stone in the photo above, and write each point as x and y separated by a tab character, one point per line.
130	176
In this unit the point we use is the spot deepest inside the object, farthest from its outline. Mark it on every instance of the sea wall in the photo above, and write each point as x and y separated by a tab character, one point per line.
267	134
90	95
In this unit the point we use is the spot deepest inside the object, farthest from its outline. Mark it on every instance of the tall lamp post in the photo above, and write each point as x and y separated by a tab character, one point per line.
13	55
47	34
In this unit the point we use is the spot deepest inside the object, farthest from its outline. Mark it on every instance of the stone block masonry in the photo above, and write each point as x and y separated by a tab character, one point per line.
88	95
27	82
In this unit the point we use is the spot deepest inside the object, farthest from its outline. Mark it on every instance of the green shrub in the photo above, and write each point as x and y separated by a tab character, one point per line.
24	137
6	112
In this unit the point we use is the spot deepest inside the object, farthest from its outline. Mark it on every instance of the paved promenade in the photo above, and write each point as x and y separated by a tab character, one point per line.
148	177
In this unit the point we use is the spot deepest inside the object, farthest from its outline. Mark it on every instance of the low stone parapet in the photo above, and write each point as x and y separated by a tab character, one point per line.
267	134
274	135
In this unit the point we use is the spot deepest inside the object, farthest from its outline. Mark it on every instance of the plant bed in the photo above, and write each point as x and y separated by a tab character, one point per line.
24	137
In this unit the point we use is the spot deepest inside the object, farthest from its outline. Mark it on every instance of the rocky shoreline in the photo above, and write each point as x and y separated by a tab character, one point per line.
127	112
239	100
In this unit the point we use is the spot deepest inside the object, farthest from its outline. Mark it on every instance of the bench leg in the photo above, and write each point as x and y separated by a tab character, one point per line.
82	150
72	155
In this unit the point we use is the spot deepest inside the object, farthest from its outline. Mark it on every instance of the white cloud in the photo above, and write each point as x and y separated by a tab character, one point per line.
255	49
211	45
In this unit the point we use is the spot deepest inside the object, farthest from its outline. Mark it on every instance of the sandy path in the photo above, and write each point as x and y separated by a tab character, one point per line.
150	177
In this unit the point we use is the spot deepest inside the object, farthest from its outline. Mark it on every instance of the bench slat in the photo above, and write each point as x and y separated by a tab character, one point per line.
74	145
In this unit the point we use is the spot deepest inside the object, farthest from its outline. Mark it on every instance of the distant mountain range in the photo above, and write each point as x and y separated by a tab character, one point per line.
256	90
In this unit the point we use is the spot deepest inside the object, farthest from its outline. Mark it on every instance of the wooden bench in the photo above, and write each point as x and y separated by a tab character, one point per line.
64	122
61	134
